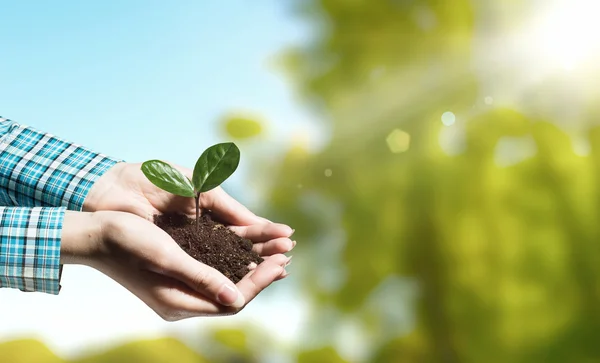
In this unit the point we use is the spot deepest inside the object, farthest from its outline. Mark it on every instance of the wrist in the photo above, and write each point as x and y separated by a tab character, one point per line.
82	236
102	188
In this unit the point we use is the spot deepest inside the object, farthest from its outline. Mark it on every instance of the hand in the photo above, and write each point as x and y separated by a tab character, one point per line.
125	188
149	263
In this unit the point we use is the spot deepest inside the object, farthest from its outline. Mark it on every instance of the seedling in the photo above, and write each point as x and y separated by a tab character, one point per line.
213	167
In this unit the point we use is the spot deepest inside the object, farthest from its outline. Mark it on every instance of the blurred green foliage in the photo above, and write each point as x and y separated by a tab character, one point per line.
476	241
26	351
241	127
155	351
322	355
494	247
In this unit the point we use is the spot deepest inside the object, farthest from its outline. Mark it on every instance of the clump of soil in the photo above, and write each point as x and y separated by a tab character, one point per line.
212	244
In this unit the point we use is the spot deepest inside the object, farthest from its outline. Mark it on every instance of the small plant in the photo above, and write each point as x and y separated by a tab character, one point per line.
213	167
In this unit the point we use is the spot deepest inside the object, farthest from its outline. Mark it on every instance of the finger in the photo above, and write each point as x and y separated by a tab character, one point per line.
253	265
180	302
203	279
228	209
261	277
282	276
278	245
285	273
264	219
263	232
177	301
174	300
168	297
225	206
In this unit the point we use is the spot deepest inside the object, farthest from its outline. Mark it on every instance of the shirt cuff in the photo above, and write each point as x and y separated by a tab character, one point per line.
40	169
30	248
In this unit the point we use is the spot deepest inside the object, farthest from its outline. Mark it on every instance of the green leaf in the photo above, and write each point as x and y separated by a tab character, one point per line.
168	178
215	165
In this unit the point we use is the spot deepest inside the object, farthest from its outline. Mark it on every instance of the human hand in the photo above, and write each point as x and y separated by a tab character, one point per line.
125	188
149	263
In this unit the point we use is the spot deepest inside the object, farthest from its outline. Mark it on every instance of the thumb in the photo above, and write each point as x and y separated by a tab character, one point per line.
204	279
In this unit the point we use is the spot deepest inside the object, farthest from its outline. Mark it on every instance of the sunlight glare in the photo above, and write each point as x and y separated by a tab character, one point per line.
567	34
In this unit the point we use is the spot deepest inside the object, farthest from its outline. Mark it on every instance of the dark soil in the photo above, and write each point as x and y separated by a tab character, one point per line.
213	244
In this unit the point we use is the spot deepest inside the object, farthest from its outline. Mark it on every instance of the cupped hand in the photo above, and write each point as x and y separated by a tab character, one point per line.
125	188
149	263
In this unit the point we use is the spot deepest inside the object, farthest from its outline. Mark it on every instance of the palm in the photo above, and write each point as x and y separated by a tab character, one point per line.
147	262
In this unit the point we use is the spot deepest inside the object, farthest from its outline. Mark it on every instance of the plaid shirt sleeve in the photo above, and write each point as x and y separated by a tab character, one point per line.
39	169
30	248
47	175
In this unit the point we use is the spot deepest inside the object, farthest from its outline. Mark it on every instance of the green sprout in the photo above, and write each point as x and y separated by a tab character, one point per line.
213	167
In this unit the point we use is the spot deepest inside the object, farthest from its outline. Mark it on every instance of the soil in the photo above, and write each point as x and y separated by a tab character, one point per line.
212	244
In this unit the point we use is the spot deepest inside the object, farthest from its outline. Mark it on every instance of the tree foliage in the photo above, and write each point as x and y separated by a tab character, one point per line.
493	217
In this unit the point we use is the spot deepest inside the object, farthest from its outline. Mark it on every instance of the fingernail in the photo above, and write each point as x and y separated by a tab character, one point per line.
291	234
293	244
229	296
284	274
289	261
239	302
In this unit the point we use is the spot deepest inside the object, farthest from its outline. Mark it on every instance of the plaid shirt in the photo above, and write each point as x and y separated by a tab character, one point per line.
40	177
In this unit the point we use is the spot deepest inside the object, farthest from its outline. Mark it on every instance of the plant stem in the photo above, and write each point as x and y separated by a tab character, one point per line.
197	212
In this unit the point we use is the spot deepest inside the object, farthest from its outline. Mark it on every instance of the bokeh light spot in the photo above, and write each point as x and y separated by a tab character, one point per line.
242	126
328	172
448	118
488	100
398	141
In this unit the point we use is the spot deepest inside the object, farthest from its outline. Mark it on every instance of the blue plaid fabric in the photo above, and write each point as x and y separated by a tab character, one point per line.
48	175
30	248
39	169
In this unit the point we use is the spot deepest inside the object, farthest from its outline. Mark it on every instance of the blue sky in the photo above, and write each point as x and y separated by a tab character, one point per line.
137	79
